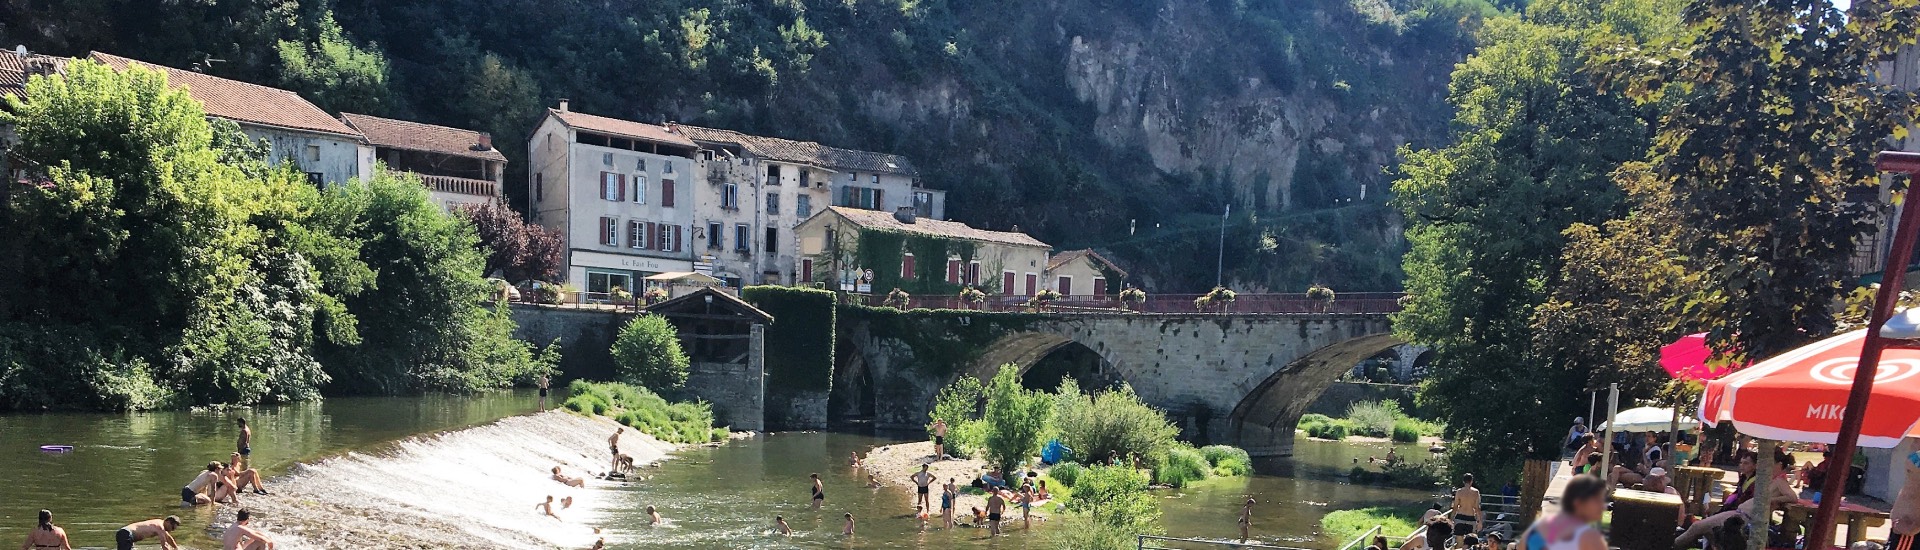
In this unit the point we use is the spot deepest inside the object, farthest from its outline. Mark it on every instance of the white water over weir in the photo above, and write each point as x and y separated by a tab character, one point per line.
472	488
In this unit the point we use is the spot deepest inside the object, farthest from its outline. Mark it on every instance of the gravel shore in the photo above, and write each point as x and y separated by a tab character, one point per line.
896	464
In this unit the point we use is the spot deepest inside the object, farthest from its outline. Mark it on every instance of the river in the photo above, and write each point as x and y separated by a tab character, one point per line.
130	466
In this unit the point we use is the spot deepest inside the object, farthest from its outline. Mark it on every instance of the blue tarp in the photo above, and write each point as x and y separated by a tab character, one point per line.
1054	452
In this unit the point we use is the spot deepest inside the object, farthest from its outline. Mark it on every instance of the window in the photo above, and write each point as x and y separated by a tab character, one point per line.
613	186
316	179
669	166
715	240
1006	283
640	164
730	197
906	266
876	179
706	155
666	193
803	206
609	231
1099	287
773	175
1066	285
602	283
923	204
667	237
866	198
639	189
973	273
805	178
953	271
806	270
313	153
773	240
1033	284
606	158
539	187
740	242
636	234
773	204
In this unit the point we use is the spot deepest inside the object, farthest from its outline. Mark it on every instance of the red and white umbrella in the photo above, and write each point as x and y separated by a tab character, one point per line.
1800	395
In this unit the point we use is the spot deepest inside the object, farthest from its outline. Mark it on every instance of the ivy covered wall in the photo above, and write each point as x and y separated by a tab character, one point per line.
939	342
799	352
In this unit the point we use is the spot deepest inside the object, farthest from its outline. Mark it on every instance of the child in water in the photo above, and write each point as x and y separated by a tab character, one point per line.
654	515
780	526
849	530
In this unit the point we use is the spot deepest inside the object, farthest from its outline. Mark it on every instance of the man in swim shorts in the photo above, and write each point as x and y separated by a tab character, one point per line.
241	536
995	505
922	481
939	440
243	444
139	531
196	492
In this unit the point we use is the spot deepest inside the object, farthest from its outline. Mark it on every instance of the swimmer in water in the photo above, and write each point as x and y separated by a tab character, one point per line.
819	492
566	503
855	461
873	482
547	507
653	516
46	535
848	531
780	526
599	544
153	528
567	481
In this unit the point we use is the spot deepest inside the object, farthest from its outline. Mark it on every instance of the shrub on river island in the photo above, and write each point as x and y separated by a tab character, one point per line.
640	409
647	353
1345	525
1228	460
1109	424
1179	465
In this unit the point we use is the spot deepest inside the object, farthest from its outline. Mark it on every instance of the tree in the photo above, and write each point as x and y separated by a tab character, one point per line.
515	249
647	353
1108	424
1536	140
1016	419
1115	496
1768	149
338	74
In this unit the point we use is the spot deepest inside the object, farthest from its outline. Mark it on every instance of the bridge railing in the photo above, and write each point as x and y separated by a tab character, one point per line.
1356	302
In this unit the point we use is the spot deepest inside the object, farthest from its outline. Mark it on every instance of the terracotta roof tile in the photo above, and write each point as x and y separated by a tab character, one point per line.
14	70
416	136
622	128
243	102
1064	258
874	219
804	152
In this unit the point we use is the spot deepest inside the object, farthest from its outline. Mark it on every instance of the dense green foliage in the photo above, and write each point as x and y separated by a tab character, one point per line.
1179	465
800	341
647	353
157	261
1372	419
1016	419
993	79
958	405
1537	138
1227	460
640	409
1115	496
943	341
1109	424
1346	525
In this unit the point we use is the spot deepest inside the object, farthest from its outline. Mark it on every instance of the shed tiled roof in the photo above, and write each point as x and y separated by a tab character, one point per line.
874	219
803	152
14	70
243	102
622	128
416	136
1069	256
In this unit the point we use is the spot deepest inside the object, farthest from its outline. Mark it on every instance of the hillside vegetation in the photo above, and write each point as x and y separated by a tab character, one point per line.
1127	126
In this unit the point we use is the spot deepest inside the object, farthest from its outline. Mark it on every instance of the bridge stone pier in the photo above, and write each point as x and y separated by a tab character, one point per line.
1241	379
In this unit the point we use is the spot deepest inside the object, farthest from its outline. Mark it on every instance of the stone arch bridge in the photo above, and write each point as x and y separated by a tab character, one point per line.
1241	379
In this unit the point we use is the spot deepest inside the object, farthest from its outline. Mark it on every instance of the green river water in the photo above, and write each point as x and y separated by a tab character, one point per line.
128	467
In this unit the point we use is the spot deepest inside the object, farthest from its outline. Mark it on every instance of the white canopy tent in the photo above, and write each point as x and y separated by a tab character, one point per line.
1647	419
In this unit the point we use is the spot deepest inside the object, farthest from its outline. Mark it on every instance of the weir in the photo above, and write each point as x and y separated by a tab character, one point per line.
464	489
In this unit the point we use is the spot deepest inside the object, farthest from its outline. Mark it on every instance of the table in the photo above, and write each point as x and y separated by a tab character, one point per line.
1695	485
1856	517
1644	519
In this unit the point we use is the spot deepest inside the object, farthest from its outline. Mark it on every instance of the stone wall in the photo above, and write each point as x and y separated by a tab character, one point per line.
738	391
585	335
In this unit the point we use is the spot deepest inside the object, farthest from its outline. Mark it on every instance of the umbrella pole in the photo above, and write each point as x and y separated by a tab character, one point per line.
1606	448
1832	490
1673	437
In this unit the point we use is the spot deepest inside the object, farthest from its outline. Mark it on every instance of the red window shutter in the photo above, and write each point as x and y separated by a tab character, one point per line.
623	186
1099	287
953	271
806	270
906	267
1033	284
666	193
1066	286
1006	283
877	203
676	238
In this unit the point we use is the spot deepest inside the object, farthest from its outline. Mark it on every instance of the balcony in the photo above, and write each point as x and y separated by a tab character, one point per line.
460	186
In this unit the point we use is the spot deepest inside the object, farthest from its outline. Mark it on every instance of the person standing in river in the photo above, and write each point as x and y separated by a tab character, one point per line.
46	536
542	382
848	531
923	481
939	440
139	531
996	505
243	443
819	492
613	446
947	494
1246	520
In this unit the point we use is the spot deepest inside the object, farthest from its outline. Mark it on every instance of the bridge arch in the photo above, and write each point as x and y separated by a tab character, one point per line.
1263	422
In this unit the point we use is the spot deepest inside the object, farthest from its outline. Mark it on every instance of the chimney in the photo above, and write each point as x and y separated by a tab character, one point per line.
1016	228
485	143
904	214
563	105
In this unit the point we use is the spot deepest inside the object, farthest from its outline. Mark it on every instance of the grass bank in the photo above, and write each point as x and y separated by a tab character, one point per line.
1396	521
641	409
1382	419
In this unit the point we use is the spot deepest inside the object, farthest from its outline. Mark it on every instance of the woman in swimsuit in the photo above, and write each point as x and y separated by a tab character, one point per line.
1584	500
819	492
47	536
